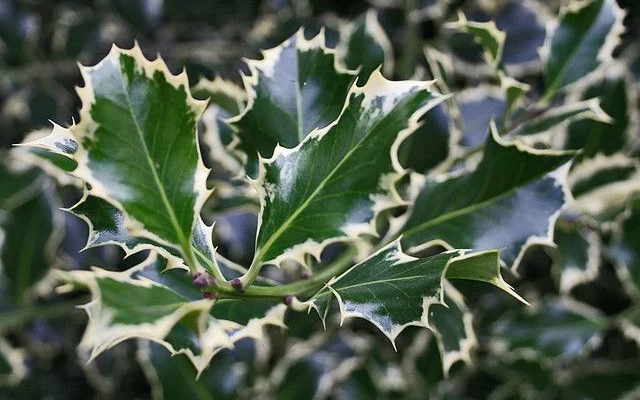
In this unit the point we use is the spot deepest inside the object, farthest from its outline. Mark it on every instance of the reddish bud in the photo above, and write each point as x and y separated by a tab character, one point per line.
202	280
287	300
209	295
237	284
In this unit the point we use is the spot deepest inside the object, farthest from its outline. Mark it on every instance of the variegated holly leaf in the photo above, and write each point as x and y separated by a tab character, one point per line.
553	329
393	290
513	91
452	323
603	379
432	143
54	165
12	364
30	231
583	38
339	177
478	107
486	34
136	146
617	99
173	376
16	185
578	255
296	88
563	115
602	186
365	46
107	226
226	100
311	369
129	305
626	247
509	201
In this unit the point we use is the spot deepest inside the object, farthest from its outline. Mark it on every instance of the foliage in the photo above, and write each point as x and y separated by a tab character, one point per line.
375	212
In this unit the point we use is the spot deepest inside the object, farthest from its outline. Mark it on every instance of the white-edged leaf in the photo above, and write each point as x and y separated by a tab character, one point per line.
136	146
331	186
509	201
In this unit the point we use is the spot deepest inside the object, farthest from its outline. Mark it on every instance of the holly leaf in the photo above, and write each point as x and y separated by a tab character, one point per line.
364	46
339	195
478	107
452	323
625	247
578	253
136	146
128	304
594	136
486	34
296	88
584	38
394	290
173	376
221	146
563	115
30	231
509	201
553	329
602	186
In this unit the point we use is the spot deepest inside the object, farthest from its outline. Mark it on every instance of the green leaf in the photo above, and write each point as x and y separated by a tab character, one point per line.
486	34
430	146
625	247
364	45
602	186
30	231
513	90
452	323
618	101
136	146
393	290
12	364
16	185
129	305
296	88
578	253
584	38
441	67
564	114
603	380
339	177
221	146
54	165
229	97
173	376
479	106
554	329
507	202
311	369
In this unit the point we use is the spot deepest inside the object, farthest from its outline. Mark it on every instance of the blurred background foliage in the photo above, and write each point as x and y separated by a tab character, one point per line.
40	44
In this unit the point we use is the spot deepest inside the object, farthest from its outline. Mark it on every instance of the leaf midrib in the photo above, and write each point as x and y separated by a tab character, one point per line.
184	243
466	210
320	187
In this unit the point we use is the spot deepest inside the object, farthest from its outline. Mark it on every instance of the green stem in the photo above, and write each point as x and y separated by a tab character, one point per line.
291	289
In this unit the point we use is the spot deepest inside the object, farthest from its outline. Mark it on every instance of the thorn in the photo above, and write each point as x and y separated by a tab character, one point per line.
287	300
237	284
